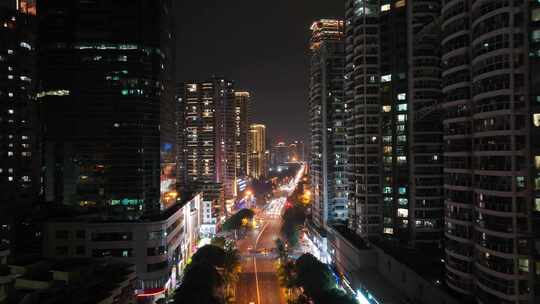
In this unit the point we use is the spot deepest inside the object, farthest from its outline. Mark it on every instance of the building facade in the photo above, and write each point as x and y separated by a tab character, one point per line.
107	103
491	56
19	145
242	104
297	151
181	149
327	121
393	93
210	134
280	154
159	247
258	168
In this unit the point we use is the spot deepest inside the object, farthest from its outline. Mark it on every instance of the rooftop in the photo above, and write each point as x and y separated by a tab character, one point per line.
94	280
352	237
426	261
64	213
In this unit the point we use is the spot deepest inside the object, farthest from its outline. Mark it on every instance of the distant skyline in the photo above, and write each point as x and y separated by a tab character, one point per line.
263	48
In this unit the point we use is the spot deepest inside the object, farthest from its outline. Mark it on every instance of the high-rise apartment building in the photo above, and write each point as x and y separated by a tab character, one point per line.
210	133
297	151
107	102
491	78
181	150
257	151
327	121
19	145
280	154
242	104
393	91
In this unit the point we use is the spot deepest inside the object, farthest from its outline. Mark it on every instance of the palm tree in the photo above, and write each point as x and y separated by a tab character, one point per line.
287	276
231	270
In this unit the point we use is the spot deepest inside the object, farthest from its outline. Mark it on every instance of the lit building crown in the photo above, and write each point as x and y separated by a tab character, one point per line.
326	30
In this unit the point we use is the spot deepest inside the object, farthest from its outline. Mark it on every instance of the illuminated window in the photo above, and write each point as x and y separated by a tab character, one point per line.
403	212
386	78
537	162
389	230
402	96
387	139
537	183
387	108
536	119
402	190
385	7
535	15
401	3
403	201
536	36
11	111
402	159
537	204
387	190
387	149
401	139
402	117
524	265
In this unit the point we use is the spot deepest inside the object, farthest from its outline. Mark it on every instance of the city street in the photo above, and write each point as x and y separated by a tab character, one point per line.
258	281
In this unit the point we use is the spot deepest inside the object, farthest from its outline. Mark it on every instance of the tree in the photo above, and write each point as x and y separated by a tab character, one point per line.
282	251
238	220
286	273
292	218
219	241
231	270
209	254
225	264
313	276
202	284
318	282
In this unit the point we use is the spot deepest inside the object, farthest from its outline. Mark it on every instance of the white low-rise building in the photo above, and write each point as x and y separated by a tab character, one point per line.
159	246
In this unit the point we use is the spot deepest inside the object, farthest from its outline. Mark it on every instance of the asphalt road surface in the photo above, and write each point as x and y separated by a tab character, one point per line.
258	281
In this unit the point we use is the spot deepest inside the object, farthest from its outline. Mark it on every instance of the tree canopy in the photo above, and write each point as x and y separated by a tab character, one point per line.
318	281
209	254
209	276
202	284
293	218
238	220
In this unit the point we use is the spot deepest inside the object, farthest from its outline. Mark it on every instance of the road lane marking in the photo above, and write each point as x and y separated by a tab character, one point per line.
257	281
260	234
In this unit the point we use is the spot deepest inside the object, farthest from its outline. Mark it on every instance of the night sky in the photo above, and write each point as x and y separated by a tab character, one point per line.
262	46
